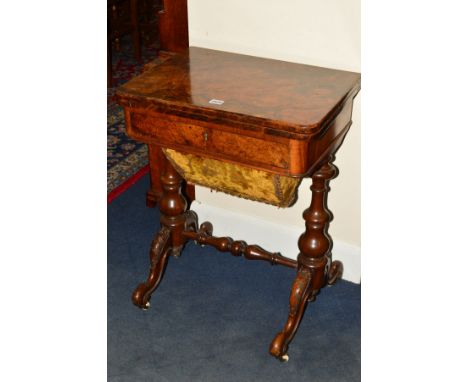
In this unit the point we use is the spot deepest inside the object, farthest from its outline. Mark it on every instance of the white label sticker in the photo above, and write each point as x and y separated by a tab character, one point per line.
216	102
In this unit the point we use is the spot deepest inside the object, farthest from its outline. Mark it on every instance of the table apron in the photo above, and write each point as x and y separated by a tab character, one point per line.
255	149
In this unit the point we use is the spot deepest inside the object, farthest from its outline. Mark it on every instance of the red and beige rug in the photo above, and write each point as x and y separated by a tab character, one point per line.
127	160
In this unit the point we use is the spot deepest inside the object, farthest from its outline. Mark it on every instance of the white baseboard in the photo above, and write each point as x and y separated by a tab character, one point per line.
274	237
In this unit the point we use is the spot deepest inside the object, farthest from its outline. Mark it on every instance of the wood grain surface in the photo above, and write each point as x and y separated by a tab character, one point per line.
263	92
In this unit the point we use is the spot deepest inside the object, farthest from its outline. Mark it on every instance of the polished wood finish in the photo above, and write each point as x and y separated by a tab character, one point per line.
278	97
173	26
294	115
172	206
209	140
284	118
314	258
173	37
170	239
203	236
159	252
157	162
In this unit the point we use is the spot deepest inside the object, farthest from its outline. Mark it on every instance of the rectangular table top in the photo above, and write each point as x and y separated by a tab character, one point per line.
279	95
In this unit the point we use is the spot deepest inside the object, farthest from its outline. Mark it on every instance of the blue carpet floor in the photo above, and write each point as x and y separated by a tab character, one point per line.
214	315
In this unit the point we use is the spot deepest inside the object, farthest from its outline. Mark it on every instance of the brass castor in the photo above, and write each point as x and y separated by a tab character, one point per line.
284	358
147	305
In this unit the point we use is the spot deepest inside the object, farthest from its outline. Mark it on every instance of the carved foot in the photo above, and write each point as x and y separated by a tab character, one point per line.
335	272
158	256
297	302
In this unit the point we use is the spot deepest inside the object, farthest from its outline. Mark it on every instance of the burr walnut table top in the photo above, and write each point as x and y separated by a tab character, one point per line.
264	114
274	94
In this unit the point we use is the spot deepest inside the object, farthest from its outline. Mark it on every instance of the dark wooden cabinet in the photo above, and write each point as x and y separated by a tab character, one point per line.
173	25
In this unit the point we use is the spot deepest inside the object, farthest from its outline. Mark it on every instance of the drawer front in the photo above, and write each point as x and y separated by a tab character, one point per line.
206	138
249	149
158	129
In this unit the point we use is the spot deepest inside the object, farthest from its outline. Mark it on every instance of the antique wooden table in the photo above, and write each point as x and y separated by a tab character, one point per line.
251	127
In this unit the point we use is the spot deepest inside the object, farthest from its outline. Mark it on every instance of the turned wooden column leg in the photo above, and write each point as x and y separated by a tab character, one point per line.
157	163
169	240
314	259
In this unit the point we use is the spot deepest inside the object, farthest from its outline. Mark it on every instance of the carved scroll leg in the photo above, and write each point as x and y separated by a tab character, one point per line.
297	302
159	252
174	218
314	258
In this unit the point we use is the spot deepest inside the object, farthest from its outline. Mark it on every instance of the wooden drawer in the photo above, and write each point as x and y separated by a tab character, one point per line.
207	139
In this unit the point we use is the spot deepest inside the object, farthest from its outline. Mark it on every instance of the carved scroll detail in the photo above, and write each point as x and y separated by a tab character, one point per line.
158	257
297	303
314	261
169	239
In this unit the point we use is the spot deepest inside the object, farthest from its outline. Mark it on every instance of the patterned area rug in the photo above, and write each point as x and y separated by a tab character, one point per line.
127	160
125	157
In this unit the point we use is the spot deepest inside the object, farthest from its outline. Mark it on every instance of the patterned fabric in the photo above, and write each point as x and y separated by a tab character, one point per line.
125	157
235	179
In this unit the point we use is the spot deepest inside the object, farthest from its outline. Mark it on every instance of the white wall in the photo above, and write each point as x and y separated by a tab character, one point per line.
316	32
